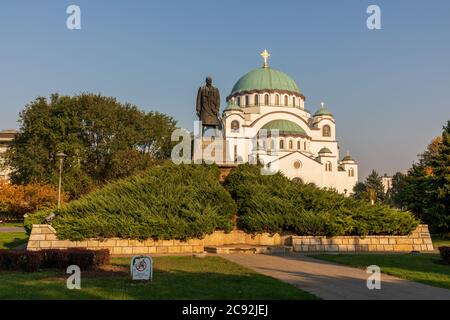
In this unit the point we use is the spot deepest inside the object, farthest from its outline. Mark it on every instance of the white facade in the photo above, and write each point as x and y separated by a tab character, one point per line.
387	183
304	147
6	137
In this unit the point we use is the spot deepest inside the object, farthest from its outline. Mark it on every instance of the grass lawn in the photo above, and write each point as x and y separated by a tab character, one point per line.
416	267
12	240
184	277
439	241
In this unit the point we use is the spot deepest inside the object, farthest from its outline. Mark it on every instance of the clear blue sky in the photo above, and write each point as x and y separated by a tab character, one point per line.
389	89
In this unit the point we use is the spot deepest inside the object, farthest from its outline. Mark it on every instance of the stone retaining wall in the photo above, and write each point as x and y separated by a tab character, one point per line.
418	240
44	237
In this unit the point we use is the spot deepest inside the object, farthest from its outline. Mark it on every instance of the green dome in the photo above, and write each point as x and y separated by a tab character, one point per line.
232	106
325	150
347	158
265	78
322	112
284	127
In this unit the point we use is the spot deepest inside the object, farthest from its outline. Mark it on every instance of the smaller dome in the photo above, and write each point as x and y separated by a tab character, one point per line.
232	106
322	111
325	150
347	158
285	127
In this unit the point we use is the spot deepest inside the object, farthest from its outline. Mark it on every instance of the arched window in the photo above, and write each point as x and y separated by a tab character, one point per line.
239	101
291	144
328	166
351	172
286	100
277	100
281	144
266	99
234	126
293	101
298	180
298	145
247	101
256	100
326	131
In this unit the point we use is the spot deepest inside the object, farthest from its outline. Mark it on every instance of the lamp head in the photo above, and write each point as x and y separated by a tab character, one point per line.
60	156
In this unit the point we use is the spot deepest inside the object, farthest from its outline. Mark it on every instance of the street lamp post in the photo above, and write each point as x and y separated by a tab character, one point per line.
60	156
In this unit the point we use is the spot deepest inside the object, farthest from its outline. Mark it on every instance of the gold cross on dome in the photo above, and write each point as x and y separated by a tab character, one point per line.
265	54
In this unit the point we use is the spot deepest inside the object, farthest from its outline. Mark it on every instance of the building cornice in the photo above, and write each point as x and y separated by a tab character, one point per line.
262	91
274	112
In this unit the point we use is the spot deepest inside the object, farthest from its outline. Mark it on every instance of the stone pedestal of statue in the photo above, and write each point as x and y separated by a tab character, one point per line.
210	150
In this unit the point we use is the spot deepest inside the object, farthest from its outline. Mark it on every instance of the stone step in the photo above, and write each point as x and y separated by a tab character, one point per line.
248	249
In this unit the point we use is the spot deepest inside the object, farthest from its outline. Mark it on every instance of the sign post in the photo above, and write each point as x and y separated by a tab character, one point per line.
141	268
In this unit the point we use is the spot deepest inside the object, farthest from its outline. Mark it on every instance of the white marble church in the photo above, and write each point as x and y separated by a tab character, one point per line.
267	103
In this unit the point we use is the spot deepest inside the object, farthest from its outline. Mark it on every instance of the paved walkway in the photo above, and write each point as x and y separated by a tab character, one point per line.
335	282
11	229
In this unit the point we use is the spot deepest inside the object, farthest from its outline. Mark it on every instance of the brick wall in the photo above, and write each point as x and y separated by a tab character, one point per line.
418	240
45	237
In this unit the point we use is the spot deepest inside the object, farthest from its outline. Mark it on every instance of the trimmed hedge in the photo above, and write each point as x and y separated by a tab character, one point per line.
445	254
273	203
32	261
17	260
165	202
85	259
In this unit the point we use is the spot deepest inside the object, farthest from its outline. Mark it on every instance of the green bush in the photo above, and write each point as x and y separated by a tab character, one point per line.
273	203
37	217
165	202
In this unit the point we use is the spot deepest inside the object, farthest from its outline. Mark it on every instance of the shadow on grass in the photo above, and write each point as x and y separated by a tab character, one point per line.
12	240
14	243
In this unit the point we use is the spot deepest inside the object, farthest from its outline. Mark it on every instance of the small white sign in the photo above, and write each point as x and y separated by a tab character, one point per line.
141	268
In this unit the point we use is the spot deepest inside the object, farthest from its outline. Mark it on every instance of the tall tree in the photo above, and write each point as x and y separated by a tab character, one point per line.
374	186
425	190
395	194
439	162
359	191
371	189
103	139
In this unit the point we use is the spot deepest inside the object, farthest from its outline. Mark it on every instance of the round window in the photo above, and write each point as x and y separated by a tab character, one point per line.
297	164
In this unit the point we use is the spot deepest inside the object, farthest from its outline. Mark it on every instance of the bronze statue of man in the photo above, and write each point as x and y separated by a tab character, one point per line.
208	105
